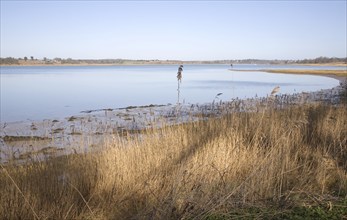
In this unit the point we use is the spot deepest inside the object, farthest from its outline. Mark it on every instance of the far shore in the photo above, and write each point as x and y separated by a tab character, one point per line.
159	63
88	64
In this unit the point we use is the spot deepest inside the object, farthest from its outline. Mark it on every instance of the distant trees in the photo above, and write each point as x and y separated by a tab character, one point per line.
323	60
69	61
8	61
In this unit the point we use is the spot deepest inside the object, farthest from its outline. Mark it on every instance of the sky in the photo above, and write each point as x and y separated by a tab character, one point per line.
181	30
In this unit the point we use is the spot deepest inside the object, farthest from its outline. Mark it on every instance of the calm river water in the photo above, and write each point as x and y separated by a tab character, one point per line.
48	92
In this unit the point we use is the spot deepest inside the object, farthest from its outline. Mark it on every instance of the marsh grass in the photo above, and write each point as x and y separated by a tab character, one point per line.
236	165
339	73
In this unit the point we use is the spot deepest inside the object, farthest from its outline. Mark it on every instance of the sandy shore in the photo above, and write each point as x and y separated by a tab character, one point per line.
90	130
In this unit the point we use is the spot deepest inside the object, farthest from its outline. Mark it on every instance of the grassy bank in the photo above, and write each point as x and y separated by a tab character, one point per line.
323	64
276	164
340	73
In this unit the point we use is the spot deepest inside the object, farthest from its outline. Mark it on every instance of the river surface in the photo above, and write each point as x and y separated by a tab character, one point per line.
50	92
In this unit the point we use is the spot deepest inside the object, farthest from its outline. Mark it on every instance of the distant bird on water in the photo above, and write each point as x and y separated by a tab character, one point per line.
219	94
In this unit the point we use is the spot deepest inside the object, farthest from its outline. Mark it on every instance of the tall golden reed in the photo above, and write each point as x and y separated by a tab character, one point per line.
280	158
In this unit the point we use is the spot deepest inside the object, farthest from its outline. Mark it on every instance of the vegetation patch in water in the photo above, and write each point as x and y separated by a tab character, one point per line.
8	138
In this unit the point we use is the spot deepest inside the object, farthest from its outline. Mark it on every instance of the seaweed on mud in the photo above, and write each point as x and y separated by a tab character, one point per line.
72	118
141	106
58	130
9	138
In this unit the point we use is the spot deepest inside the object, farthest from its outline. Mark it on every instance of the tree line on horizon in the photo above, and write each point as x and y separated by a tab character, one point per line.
323	60
45	60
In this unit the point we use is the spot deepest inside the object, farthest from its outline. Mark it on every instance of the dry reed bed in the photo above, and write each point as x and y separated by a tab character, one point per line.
282	158
340	73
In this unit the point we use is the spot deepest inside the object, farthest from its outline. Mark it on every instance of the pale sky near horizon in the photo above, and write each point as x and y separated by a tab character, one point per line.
184	30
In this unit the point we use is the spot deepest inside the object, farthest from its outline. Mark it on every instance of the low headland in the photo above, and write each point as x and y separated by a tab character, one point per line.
339	73
280	157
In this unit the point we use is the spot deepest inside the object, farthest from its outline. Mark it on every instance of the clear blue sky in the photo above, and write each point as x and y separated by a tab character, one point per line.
185	30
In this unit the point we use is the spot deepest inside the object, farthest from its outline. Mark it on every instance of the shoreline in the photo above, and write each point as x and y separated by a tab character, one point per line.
90	130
